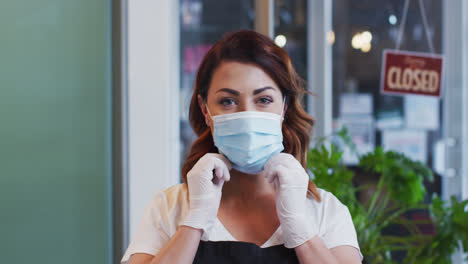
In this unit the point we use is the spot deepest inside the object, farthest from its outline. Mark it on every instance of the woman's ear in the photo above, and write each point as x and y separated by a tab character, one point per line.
204	111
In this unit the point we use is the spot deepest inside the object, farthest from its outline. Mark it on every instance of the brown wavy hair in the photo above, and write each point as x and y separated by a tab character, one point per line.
250	47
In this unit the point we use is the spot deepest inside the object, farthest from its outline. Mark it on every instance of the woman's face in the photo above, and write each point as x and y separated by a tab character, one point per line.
237	87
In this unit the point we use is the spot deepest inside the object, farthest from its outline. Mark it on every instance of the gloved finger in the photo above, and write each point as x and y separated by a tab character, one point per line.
227	175
220	168
279	158
276	184
218	172
225	160
218	182
284	175
284	159
226	165
269	173
269	165
221	173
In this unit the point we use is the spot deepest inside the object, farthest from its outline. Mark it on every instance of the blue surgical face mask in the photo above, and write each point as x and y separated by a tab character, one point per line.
248	139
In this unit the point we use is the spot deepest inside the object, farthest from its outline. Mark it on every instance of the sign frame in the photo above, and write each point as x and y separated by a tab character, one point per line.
411	53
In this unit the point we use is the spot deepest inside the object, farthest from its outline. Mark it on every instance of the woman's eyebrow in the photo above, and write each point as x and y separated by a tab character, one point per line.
259	90
227	90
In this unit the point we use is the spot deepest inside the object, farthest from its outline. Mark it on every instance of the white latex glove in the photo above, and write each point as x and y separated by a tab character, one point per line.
291	181
205	182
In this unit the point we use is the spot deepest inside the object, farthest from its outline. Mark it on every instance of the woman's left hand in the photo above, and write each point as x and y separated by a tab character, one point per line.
291	182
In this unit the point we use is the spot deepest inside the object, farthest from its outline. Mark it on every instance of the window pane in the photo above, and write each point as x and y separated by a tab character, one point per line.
291	31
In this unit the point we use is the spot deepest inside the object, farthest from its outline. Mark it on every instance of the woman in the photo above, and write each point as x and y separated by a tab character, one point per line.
246	196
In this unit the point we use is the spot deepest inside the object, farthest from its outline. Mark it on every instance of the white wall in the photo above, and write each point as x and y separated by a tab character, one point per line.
153	92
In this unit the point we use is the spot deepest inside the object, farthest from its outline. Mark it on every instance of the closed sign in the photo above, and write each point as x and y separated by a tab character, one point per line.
411	73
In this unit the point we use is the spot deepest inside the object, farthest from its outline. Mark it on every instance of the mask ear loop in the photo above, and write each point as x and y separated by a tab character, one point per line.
208	110
282	110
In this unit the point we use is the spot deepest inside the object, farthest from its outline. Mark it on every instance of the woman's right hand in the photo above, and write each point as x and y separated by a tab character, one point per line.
205	182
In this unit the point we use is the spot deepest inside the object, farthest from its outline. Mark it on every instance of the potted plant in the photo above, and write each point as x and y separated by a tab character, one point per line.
398	189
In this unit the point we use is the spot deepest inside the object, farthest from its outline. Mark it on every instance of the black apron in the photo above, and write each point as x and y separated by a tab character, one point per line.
242	252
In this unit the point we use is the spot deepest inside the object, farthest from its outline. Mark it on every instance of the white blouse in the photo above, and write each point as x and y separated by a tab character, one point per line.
168	208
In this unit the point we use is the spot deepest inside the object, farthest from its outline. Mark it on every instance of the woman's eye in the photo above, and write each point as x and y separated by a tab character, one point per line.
227	101
265	100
